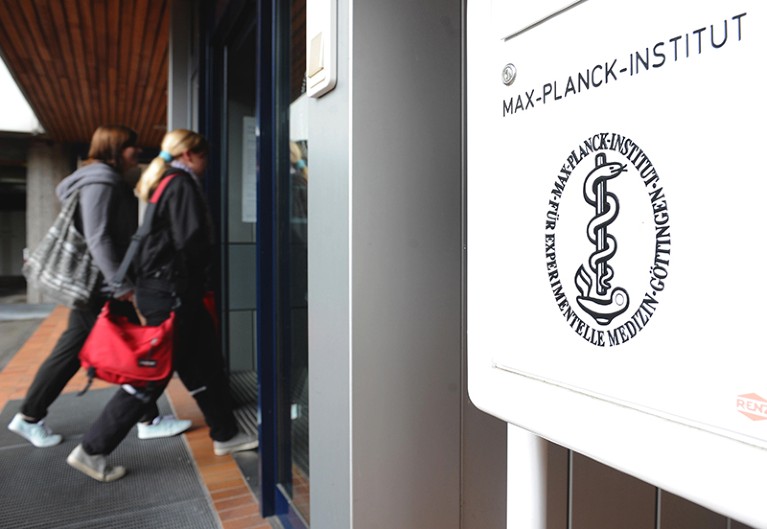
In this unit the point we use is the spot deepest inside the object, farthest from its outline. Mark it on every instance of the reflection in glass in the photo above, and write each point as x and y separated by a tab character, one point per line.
296	186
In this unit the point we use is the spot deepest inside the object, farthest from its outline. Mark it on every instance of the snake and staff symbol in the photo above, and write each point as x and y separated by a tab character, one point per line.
598	298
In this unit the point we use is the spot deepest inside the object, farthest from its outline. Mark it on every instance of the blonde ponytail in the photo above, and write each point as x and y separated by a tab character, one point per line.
173	145
150	178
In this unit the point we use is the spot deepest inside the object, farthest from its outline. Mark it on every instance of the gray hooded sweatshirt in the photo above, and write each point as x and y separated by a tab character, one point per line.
107	216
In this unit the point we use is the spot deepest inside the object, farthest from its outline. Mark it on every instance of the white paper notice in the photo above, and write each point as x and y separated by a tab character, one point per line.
249	169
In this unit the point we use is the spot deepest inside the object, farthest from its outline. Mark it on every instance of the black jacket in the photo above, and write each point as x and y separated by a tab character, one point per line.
179	248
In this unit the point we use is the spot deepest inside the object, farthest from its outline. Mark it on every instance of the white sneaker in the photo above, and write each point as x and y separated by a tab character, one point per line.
35	432
238	443
94	466
163	426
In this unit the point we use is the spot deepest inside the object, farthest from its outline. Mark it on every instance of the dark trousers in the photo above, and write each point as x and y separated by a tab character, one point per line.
197	360
63	362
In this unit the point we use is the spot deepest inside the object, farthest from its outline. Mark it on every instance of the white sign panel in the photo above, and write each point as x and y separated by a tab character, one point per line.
614	236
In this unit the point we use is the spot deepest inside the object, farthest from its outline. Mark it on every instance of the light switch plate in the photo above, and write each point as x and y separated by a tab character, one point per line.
321	39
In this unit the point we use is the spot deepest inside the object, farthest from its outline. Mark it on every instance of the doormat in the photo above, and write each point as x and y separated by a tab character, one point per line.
38	489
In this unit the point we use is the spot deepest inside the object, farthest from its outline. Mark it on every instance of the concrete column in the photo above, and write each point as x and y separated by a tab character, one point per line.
47	164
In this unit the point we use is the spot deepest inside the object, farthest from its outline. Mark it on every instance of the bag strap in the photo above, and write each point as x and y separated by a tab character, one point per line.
160	188
66	216
143	231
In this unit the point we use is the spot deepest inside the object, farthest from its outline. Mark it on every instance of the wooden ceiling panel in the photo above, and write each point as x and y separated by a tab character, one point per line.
83	63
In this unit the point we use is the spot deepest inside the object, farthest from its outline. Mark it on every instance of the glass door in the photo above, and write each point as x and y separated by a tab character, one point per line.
240	195
255	81
291	211
239	243
282	192
295	184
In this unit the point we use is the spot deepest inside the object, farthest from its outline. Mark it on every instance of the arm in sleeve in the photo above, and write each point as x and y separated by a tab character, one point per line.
189	227
95	200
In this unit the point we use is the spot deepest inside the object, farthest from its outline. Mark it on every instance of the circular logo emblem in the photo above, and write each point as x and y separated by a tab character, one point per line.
608	239
509	74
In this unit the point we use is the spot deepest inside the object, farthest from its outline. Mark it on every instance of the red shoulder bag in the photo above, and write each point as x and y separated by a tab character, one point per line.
120	351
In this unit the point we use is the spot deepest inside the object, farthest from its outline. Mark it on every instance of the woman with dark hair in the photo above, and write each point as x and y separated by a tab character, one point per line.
172	269
107	217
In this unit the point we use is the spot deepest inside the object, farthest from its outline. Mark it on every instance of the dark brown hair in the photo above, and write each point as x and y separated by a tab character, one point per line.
108	143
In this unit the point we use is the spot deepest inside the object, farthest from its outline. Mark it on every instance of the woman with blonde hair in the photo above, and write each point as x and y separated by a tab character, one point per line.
106	216
172	273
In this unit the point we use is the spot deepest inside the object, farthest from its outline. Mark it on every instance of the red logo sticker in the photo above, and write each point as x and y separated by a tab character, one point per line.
752	406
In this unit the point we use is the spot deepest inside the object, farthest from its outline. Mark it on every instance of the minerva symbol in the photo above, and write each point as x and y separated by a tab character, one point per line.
607	239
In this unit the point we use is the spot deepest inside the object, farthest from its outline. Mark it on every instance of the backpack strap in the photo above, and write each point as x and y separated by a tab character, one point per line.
160	188
143	231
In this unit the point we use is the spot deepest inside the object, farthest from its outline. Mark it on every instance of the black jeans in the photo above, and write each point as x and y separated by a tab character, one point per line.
197	360
64	361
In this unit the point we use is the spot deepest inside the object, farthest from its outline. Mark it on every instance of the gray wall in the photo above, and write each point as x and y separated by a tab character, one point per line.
394	442
329	294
